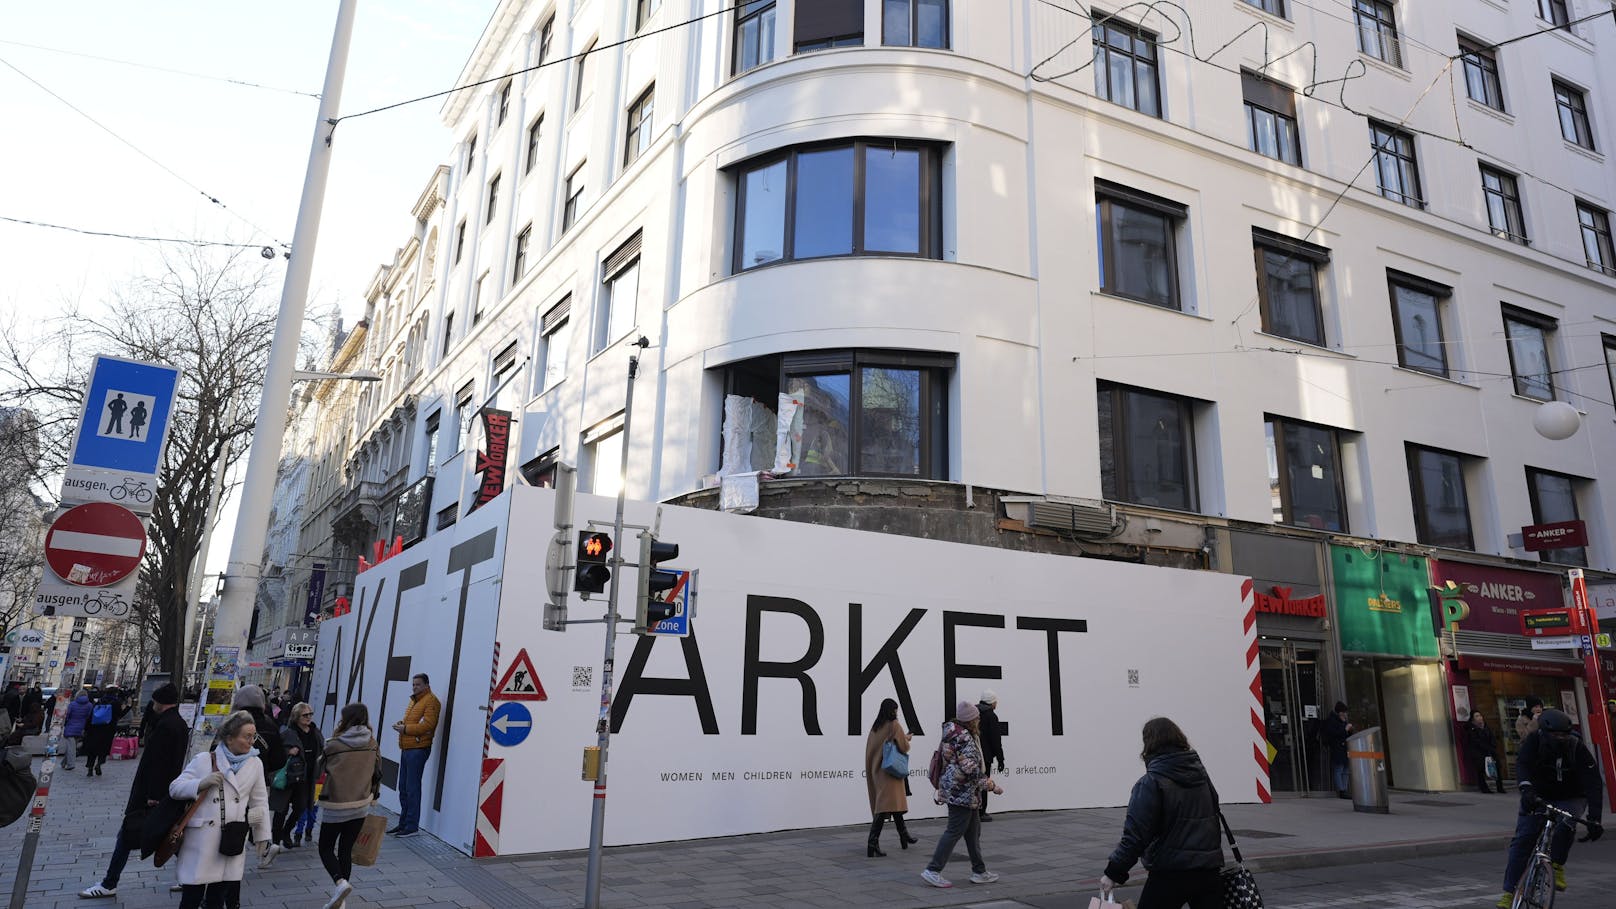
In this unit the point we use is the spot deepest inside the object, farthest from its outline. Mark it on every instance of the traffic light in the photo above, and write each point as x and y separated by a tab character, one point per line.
591	573
649	607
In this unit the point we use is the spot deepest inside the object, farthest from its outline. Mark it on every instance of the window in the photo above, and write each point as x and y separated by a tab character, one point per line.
754	35
493	200
1138	244
874	197
1441	506
1610	362
448	333
864	412
460	241
504	104
1271	119
1596	242
1417	322
1147	448
1554	499
1397	171
463	414
1481	73
586	76
1554	11
533	134
1573	105
639	126
471	152
541	471
519	261
575	192
606	463
546	32
829	23
619	293
1503	197
506	390
555	335
914	23
1377	30
432	424
447	516
1288	286
1276	7
477	298
1304	475
643	11
1527	335
1125	64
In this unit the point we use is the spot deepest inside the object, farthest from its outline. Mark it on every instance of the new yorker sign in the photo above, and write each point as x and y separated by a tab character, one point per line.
1280	602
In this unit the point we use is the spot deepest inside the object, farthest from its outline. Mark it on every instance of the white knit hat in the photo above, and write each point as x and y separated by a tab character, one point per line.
989	697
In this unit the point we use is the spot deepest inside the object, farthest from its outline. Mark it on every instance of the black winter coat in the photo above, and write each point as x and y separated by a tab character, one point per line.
1559	770
162	760
992	735
1172	819
1334	732
271	750
1479	742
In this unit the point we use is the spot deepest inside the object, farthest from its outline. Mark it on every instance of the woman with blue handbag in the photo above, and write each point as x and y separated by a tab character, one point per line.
886	775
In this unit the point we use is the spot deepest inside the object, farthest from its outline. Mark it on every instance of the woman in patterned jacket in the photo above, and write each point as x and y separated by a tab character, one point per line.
964	779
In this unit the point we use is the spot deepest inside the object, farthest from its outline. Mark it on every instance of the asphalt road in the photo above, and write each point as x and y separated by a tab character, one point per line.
1451	881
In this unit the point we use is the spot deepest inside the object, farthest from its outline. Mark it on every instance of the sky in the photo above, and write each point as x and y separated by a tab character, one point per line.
197	136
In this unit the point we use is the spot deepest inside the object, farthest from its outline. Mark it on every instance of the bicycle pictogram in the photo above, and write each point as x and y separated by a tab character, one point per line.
113	603
132	488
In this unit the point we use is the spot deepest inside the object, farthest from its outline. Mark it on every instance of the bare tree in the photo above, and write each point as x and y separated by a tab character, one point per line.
210	314
22	514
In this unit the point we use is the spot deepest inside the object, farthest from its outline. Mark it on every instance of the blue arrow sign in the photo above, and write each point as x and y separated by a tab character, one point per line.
510	724
125	416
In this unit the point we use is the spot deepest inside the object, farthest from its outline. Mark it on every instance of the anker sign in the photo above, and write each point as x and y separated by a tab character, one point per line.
1561	535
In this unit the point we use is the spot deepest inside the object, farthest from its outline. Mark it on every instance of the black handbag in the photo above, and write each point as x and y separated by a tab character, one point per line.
1239	885
232	834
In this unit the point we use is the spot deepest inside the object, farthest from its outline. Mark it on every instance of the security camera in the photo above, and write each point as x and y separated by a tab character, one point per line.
267	252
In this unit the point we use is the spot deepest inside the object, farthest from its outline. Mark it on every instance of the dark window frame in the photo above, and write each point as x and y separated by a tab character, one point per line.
1548	325
1420	502
1107	196
930	200
1278	101
581	70
554	318
914	25
1554	12
1442	293
1593	223
1574	556
1379	18
1122	455
1139	34
574	195
504	103
433	427
747	12
643	11
519	259
1287	507
493	200
1571	101
460	241
546	32
471	152
1265	242
641	125
448	332
1480	62
1608	345
1278	7
1386	139
1507	193
826	24
541	471
535	132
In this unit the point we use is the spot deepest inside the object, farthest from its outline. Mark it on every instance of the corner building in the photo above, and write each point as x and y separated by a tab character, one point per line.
1119	287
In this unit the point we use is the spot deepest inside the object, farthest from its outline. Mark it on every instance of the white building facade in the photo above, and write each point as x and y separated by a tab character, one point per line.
1240	286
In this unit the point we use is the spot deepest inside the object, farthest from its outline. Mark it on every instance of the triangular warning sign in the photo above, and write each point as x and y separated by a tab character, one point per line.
520	683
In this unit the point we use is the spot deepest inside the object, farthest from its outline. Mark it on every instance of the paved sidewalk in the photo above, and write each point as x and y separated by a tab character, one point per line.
1049	859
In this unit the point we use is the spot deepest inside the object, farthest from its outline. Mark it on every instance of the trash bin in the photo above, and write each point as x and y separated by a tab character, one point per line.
1366	771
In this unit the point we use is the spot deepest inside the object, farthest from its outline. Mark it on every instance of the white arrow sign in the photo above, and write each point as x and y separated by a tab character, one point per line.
504	724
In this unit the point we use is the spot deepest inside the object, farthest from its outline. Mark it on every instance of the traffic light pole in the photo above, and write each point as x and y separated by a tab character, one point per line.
603	726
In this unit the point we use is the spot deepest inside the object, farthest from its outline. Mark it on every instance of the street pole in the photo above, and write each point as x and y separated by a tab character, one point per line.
36	812
263	457
210	521
603	726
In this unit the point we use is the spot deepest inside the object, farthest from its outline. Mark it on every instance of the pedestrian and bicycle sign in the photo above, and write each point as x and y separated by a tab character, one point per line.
510	724
122	428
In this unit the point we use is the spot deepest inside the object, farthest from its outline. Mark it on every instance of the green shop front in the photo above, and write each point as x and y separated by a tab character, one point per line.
1391	663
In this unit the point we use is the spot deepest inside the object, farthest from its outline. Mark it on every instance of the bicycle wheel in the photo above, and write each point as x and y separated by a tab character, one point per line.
143	495
1536	889
118	492
92	605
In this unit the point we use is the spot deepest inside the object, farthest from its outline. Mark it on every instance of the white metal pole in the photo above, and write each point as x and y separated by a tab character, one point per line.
263	458
199	570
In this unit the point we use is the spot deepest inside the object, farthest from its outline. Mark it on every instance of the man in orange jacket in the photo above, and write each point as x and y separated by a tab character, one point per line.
415	733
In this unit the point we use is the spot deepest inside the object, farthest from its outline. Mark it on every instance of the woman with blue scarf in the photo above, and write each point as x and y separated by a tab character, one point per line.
229	782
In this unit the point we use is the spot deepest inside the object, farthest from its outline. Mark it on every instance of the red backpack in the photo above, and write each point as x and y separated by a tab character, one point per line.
935	772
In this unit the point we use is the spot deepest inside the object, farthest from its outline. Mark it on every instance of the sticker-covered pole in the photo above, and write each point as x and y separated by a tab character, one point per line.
36	812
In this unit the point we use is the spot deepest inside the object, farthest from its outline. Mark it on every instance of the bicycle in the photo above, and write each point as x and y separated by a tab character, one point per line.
113	603
132	488
1536	887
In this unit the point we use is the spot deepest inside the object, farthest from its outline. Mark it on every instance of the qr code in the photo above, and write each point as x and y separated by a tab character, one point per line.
583	678
1133	678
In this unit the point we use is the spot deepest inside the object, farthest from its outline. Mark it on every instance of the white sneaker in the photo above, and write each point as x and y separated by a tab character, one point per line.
339	894
96	892
936	880
986	877
270	855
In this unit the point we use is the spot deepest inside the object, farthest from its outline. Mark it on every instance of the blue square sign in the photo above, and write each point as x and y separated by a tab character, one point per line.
125	416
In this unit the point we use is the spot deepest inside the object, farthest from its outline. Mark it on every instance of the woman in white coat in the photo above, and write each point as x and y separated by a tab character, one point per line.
229	779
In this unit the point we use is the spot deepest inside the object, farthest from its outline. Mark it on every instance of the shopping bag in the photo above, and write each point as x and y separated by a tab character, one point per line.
124	747
369	845
893	761
1105	901
1492	767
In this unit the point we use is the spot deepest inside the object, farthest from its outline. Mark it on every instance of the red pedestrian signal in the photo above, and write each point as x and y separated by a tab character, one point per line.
592	572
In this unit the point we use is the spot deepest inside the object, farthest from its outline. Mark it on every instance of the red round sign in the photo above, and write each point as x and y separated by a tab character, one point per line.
95	545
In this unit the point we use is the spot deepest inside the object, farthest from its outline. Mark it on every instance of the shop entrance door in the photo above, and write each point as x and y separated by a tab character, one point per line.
1290	680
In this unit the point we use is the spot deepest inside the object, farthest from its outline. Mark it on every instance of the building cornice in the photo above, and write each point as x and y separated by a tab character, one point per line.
483	57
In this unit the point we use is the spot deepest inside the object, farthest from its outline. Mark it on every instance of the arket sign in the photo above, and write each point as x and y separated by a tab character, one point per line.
1561	535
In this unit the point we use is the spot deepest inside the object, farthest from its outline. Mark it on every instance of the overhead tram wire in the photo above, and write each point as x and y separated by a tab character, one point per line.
164	167
118	236
161	69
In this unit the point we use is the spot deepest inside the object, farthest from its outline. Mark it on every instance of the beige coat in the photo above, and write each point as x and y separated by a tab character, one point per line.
886	791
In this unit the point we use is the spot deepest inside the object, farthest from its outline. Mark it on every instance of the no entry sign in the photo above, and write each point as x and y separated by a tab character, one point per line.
95	545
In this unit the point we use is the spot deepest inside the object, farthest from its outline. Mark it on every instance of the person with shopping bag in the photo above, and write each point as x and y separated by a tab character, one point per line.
228	779
293	784
1481	748
1172	824
886	749
961	778
353	780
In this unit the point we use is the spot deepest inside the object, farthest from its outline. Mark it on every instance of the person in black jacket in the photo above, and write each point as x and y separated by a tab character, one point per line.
1553	766
160	763
98	736
1172	824
1335	730
271	750
992	739
1479	745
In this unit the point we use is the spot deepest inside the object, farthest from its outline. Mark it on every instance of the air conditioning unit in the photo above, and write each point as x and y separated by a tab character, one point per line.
1083	517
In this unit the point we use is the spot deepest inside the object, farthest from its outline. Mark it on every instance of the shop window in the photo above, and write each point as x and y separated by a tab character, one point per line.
1417	306
1554	499
1527	335
1304	475
864	412
1436	479
1288	286
1147	448
1138	244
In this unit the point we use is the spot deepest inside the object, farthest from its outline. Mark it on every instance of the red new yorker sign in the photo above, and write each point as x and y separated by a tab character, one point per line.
96	544
1560	535
491	461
